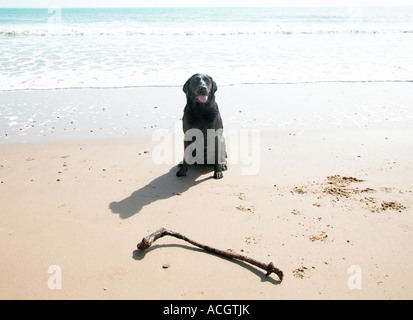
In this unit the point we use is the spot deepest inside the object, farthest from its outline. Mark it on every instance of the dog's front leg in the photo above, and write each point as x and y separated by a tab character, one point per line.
217	166
184	165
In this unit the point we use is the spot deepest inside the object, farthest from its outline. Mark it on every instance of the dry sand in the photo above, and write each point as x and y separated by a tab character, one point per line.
331	207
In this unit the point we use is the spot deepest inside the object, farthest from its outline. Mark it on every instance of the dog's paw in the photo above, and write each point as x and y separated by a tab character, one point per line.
182	171
224	167
218	175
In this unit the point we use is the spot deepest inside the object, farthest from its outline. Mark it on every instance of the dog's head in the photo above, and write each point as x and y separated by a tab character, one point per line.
200	88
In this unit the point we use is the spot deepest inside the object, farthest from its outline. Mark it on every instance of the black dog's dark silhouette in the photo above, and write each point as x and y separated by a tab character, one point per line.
201	113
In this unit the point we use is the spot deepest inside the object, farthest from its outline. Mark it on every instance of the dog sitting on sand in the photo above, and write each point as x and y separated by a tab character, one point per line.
202	124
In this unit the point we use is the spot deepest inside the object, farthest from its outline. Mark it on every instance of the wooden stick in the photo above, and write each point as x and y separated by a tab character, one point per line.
148	240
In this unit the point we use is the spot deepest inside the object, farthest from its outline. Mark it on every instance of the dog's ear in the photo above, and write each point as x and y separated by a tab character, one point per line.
186	86
214	85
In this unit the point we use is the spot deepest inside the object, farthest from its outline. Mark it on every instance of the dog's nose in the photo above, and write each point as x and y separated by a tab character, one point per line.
202	89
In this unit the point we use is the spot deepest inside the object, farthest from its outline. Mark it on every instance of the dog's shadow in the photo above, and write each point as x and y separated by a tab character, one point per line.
166	186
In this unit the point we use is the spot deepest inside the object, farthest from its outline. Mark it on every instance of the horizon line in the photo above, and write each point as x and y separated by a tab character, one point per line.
215	6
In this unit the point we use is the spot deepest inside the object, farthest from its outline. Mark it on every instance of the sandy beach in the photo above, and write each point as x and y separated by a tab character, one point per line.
328	197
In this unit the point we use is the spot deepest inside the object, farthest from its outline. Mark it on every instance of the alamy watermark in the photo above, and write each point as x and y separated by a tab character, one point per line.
55	280
242	147
56	17
354	281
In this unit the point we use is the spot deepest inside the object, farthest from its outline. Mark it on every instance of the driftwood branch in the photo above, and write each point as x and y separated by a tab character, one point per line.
148	240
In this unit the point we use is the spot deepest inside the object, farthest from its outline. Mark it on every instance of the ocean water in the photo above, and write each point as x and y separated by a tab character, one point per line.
88	48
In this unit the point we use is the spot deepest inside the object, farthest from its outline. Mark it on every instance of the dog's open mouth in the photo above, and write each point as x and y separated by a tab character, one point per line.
202	98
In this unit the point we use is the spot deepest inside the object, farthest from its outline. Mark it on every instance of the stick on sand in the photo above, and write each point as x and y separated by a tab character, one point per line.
148	240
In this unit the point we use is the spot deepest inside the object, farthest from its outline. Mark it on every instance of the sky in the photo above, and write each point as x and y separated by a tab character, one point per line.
194	3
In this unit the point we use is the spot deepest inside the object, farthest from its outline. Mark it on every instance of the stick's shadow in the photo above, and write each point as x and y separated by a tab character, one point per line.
163	187
139	255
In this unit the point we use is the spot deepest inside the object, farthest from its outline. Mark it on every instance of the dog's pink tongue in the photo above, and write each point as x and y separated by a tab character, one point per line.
203	99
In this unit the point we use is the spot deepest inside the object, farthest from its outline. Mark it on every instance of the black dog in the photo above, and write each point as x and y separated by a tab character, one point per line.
202	125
